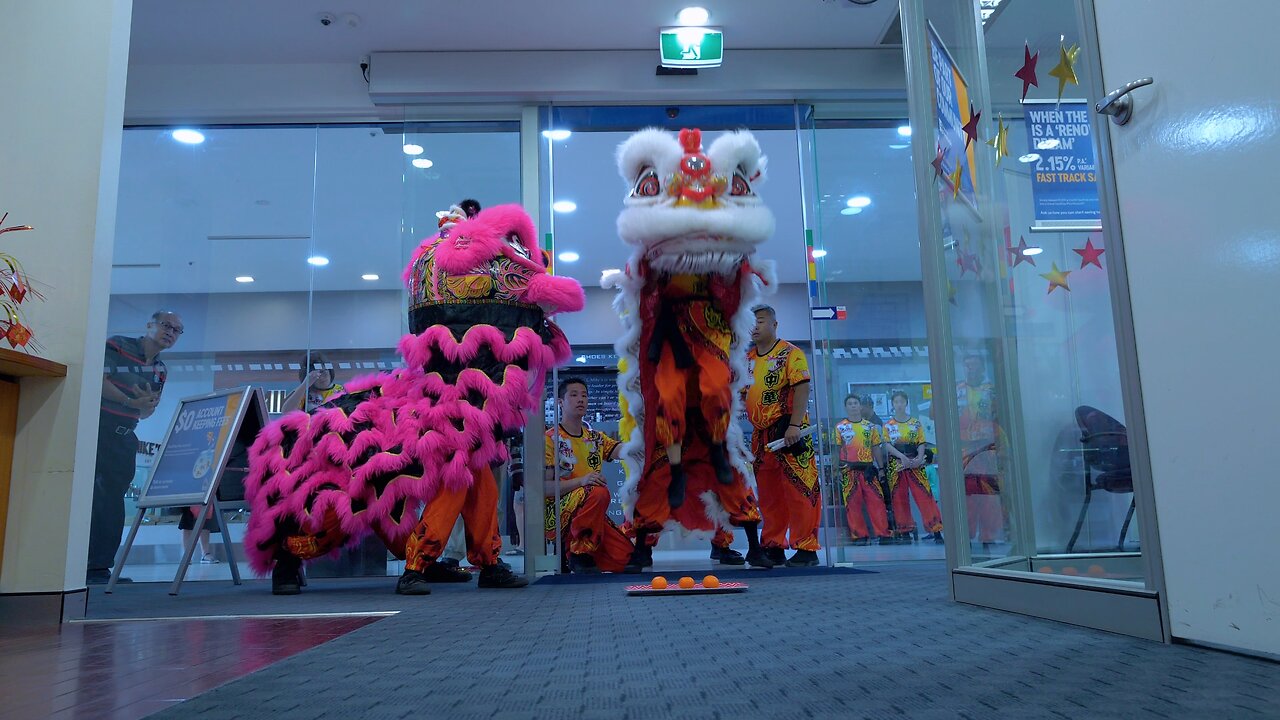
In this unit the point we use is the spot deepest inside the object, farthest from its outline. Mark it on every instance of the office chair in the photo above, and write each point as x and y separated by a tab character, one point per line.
1105	448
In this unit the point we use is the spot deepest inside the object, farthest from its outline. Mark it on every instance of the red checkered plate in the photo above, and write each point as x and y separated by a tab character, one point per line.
674	589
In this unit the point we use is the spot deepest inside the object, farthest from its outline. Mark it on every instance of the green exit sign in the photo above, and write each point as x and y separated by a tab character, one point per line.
692	47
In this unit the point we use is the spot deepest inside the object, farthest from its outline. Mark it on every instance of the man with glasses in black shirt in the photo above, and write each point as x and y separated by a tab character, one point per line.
133	377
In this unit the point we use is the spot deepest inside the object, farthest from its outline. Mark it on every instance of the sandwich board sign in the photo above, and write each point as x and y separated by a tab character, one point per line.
207	439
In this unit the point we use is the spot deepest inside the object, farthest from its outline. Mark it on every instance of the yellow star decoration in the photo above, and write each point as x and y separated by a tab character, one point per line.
955	179
1001	141
1065	70
1057	278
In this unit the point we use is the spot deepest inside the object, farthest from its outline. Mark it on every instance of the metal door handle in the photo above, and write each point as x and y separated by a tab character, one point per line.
1117	103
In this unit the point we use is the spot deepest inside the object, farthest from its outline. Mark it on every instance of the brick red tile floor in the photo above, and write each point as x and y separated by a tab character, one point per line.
131	669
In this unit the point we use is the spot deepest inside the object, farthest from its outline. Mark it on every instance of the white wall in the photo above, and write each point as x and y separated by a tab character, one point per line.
64	102
1195	179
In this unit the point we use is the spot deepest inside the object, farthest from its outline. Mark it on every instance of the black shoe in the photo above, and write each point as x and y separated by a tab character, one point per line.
582	564
715	552
444	571
675	491
776	555
759	558
413	582
937	538
903	539
285	576
102	577
729	556
720	463
862	542
641	558
499	576
803	558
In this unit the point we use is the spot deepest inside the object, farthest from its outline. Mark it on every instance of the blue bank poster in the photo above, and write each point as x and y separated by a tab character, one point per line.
1064	180
188	462
951	103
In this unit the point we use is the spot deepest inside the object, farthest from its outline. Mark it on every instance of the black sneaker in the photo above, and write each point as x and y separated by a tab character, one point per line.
445	571
729	556
500	576
776	555
641	558
413	582
759	558
937	538
862	542
715	552
803	558
285	577
102	577
582	564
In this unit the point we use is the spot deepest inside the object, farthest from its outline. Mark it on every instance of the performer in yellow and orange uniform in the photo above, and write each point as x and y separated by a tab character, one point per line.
573	457
860	454
905	442
981	441
786	480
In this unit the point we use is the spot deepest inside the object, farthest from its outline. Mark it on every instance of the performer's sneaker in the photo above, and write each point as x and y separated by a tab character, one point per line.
445	571
286	577
861	541
759	558
582	564
776	555
937	538
803	558
728	556
500	576
641	558
413	582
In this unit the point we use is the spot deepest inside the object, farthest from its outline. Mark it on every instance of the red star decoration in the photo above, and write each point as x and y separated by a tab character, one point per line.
1089	254
971	127
938	163
1019	253
1027	74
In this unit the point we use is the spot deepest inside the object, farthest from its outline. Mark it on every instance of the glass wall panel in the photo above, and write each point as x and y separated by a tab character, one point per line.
1037	459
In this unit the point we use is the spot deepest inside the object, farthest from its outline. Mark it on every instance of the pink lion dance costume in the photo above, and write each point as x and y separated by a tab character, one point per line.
685	299
426	434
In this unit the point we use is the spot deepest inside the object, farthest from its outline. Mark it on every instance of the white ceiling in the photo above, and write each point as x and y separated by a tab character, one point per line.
252	31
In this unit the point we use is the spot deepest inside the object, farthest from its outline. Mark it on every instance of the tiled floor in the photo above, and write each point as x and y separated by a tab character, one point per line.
132	669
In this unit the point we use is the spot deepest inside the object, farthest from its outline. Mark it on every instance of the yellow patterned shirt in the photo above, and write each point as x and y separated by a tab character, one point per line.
576	456
774	377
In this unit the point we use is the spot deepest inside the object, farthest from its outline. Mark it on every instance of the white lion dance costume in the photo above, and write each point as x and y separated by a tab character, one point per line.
685	299
479	346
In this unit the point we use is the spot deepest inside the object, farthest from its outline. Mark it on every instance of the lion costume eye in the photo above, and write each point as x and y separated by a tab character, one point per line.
514	241
647	185
740	185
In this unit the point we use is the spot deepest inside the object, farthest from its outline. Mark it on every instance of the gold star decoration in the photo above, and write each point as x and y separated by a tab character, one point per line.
1001	141
1057	278
1065	70
955	179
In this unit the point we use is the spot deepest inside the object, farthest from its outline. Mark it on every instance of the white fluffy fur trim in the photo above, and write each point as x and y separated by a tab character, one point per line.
651	147
648	224
737	150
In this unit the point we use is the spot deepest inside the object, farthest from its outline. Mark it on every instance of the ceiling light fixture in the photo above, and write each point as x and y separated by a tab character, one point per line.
1033	251
693	16
412	149
318	260
422	163
556	135
190	137
858	201
369	276
244	278
564	206
568	256
904	130
899	146
850	211
819	253
1029	158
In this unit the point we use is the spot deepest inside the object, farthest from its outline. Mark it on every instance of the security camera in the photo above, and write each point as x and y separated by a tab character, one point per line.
327	19
673	112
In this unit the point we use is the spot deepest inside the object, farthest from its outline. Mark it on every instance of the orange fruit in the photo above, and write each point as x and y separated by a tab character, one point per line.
711	581
686	583
1096	571
659	583
1070	570
1044	569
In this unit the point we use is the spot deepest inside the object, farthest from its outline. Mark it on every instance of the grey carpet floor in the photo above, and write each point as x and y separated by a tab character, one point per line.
885	645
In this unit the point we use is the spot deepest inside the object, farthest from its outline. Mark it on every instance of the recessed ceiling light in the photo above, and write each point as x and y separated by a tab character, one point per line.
318	260
564	206
819	253
904	130
1033	251
899	146
422	163
369	276
858	201
693	16
190	137
1029	158
244	278
568	256
850	211
1048	144
412	149
556	135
